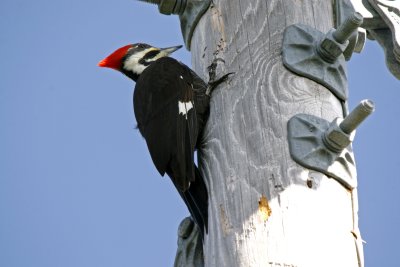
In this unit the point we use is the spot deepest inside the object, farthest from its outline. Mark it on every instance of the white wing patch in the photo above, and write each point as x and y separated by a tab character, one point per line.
184	107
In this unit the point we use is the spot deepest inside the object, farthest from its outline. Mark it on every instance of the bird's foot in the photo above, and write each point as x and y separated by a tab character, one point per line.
212	84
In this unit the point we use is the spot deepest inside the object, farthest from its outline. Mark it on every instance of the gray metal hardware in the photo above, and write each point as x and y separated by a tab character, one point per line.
344	9
190	245
189	11
318	56
384	38
372	20
382	21
357	116
325	147
389	11
335	42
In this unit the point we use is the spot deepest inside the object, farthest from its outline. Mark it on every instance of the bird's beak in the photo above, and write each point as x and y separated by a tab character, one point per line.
169	50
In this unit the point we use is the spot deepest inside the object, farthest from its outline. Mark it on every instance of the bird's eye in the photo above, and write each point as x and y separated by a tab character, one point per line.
141	45
151	54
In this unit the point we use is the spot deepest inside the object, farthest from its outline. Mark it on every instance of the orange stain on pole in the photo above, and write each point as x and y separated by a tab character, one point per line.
263	208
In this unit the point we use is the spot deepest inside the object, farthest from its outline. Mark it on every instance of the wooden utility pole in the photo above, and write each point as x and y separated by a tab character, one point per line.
276	154
265	209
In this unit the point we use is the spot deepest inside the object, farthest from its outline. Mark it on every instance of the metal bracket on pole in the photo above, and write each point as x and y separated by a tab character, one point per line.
189	11
389	11
318	56
382	22
325	147
190	245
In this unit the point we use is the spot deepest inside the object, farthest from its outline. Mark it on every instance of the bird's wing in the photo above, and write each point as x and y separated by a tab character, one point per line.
166	116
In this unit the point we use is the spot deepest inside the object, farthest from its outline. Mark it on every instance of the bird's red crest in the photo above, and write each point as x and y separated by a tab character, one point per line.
114	60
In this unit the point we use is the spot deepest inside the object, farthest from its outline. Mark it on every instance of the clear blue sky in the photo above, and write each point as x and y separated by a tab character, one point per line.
77	185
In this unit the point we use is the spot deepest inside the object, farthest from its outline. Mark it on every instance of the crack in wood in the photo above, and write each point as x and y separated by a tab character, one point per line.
226	227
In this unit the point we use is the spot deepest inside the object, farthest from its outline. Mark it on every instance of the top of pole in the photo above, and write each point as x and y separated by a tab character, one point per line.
189	11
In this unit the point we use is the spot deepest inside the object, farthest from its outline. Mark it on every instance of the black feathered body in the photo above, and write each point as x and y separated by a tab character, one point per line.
171	107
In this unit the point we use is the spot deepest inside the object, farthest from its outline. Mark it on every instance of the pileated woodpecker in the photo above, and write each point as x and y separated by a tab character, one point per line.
171	105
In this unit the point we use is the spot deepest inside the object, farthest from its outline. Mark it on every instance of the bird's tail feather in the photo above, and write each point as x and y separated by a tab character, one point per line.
196	199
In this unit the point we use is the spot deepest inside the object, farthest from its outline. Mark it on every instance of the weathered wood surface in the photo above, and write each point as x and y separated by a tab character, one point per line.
245	154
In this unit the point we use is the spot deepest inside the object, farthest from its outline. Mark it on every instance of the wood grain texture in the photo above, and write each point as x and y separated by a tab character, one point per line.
245	153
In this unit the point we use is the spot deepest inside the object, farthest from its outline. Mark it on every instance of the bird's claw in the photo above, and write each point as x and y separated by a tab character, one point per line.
212	84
